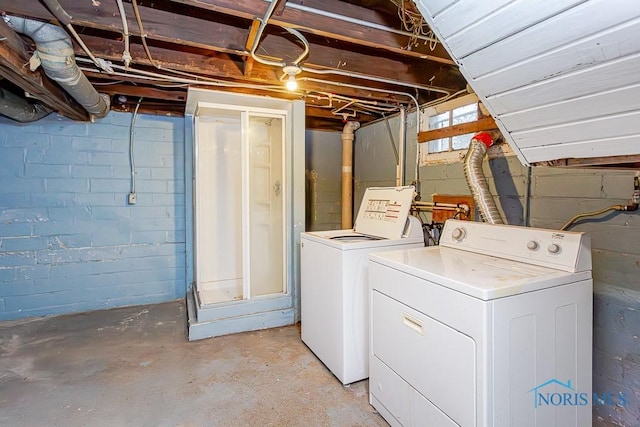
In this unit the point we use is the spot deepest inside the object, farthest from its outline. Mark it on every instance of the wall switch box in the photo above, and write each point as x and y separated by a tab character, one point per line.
132	198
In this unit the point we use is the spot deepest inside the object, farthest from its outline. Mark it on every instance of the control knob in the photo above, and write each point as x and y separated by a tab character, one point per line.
553	248
532	245
458	233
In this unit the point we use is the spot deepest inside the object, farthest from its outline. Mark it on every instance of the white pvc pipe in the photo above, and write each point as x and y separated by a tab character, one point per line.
347	173
402	146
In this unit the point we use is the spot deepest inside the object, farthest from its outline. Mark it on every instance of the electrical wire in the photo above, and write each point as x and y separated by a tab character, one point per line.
65	19
161	79
131	156
333	96
391	140
148	75
114	82
375	79
101	63
256	41
126	55
329	82
414	23
143	35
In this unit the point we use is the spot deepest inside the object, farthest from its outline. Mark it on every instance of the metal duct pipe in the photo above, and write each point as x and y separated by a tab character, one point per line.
476	179
347	173
55	51
19	109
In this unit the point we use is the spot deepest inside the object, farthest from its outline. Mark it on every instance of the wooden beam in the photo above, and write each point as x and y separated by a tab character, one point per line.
222	68
187	32
178	95
315	23
13	41
324	124
37	84
486	123
251	38
279	8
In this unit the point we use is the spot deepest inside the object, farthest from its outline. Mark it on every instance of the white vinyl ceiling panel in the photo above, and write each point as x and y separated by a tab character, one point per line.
586	81
598	128
585	54
560	77
519	47
615	101
624	146
490	21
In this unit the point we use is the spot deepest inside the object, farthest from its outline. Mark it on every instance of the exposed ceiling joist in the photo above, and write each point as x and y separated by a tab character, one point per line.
358	50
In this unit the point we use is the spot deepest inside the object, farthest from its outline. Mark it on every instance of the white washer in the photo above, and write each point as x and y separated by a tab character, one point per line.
334	279
491	328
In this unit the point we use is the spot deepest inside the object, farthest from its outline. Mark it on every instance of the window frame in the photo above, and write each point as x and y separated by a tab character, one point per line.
451	155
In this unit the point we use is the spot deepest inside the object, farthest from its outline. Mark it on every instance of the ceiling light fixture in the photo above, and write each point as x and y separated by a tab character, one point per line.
291	71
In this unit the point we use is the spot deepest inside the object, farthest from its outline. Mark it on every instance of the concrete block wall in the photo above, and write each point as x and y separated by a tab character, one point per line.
556	195
375	163
69	242
323	180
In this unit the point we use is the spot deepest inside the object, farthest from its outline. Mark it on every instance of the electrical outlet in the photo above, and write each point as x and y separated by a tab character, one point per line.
132	198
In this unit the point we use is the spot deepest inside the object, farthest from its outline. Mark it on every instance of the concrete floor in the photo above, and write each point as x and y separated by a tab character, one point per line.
135	367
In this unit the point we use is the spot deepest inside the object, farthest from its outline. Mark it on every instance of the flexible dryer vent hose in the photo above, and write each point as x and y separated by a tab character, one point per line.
55	51
476	179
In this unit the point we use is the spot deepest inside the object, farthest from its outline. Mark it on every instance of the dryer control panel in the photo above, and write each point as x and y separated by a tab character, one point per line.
564	250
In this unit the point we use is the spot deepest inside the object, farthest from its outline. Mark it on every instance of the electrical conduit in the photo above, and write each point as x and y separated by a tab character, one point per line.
347	173
476	179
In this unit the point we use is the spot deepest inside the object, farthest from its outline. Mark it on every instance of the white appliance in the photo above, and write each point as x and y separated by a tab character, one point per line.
491	328
334	280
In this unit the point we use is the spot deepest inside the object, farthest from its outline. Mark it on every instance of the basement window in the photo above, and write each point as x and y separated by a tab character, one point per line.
457	111
465	114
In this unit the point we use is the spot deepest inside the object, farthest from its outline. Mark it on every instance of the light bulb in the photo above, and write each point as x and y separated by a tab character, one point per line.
292	84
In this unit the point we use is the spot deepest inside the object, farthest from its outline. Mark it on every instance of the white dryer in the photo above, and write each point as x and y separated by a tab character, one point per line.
334	278
491	328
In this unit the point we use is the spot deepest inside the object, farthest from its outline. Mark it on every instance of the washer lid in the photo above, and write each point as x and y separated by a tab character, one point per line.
347	240
480	276
384	211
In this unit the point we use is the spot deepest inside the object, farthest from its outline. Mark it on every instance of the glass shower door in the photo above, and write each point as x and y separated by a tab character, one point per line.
240	204
218	235
266	206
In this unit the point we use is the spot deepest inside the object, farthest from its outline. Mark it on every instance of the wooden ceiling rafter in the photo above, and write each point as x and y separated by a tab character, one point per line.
350	32
160	26
212	39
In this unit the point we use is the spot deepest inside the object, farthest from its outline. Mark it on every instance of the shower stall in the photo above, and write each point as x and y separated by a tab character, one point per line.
247	214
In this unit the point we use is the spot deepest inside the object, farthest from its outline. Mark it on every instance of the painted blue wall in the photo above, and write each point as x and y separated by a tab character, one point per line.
69	242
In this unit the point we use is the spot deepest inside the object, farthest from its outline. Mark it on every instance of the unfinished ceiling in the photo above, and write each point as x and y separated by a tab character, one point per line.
365	58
